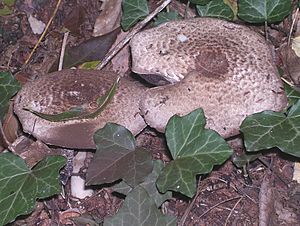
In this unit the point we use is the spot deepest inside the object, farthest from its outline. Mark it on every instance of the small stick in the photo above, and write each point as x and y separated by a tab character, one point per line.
227	219
44	32
266	30
129	36
287	82
220	203
188	210
186	10
293	24
3	135
62	53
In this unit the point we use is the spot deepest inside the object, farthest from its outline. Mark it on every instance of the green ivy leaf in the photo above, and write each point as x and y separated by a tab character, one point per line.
215	8
259	11
90	65
8	88
270	129
21	186
199	2
139	209
165	17
292	93
133	11
195	150
7	7
148	184
117	157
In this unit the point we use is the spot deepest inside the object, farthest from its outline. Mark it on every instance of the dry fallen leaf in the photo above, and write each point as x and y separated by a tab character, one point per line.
10	125
36	25
109	18
291	62
120	63
36	152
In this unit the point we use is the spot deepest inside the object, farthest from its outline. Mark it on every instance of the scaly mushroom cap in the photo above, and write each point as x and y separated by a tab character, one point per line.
209	45
226	68
59	91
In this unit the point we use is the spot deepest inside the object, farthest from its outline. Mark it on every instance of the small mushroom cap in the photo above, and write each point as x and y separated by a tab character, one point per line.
174	49
226	68
59	91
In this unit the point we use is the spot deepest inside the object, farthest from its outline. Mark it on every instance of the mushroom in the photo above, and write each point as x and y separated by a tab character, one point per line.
224	68
60	91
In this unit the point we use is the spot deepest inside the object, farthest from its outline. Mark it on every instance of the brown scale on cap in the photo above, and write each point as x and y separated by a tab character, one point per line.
59	91
225	68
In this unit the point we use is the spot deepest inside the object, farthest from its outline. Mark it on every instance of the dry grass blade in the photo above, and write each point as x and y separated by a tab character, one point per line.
44	32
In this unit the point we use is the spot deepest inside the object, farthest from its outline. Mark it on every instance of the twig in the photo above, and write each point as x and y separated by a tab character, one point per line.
293	24
186	9
274	171
266	30
44	32
287	82
220	203
129	36
188	210
227	219
234	187
62	53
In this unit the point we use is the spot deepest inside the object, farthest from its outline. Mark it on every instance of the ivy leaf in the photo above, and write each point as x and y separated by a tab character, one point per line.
117	158
165	17
199	2
139	209
21	186
270	129
243	159
215	8
233	5
7	7
259	11
133	11
8	88
195	150
148	184
292	93
79	112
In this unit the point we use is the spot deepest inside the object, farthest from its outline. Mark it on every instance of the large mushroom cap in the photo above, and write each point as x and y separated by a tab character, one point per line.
209	45
59	91
226	68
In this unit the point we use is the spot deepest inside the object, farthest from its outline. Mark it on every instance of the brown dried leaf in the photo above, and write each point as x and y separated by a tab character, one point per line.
10	125
21	144
291	62
109	18
36	152
181	8
120	63
89	50
75	19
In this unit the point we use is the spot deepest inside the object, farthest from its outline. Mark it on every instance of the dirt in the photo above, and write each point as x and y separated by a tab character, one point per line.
224	197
